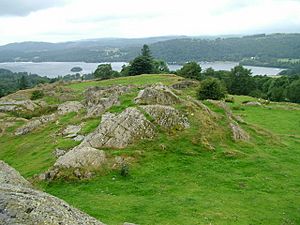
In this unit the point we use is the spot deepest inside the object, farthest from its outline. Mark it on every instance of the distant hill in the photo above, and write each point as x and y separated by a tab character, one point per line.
261	49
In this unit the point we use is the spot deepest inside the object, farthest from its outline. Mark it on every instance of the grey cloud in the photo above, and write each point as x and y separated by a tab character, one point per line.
24	7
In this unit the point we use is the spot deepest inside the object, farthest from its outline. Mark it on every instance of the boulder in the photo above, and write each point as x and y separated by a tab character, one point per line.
167	117
238	133
71	106
185	84
157	94
71	131
9	175
85	158
253	104
118	131
20	205
102	105
13	105
79	138
34	124
93	95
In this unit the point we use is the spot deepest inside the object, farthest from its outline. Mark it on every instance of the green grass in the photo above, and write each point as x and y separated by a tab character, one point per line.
166	79
256	182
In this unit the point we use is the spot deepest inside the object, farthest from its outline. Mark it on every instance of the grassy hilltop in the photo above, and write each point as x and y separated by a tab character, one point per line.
196	176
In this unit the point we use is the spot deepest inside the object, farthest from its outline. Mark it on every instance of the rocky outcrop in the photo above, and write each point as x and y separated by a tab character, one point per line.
59	152
238	133
252	103
35	123
71	131
203	107
9	175
185	84
157	94
167	117
118	131
79	163
20	204
93	95
12	105
86	158
102	105
67	107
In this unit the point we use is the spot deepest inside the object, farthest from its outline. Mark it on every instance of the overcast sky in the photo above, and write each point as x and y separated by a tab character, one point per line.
65	20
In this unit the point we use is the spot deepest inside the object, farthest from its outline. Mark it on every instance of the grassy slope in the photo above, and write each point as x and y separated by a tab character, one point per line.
238	183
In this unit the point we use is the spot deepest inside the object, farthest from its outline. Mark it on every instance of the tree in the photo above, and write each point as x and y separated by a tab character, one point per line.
190	70
160	66
293	92
23	84
242	83
104	71
145	51
211	88
125	70
277	89
141	65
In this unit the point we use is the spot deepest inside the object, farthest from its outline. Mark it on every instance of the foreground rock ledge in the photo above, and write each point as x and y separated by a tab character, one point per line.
22	205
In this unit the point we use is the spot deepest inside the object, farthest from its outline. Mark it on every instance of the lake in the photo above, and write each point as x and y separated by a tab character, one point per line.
53	69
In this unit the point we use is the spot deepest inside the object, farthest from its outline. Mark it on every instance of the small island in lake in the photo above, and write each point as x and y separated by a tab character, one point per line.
76	69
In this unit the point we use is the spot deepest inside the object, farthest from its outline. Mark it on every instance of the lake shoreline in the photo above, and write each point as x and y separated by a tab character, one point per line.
54	69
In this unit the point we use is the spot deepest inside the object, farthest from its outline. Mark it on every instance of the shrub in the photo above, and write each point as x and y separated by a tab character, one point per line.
37	94
211	88
124	169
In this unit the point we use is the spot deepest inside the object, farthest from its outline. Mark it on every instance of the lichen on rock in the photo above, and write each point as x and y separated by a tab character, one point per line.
157	94
120	130
167	117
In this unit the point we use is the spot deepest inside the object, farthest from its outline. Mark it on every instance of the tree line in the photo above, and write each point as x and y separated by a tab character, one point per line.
214	84
238	81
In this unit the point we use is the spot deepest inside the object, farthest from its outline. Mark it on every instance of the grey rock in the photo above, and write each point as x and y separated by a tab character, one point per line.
20	205
79	138
238	133
157	94
71	106
102	105
71	131
167	117
9	175
82	157
59	152
34	124
13	105
93	95
185	84
120	130
203	107
253	104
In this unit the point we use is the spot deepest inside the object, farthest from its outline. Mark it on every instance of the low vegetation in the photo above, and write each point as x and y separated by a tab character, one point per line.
196	176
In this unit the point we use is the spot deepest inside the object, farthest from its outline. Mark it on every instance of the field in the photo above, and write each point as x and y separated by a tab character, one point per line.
185	181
